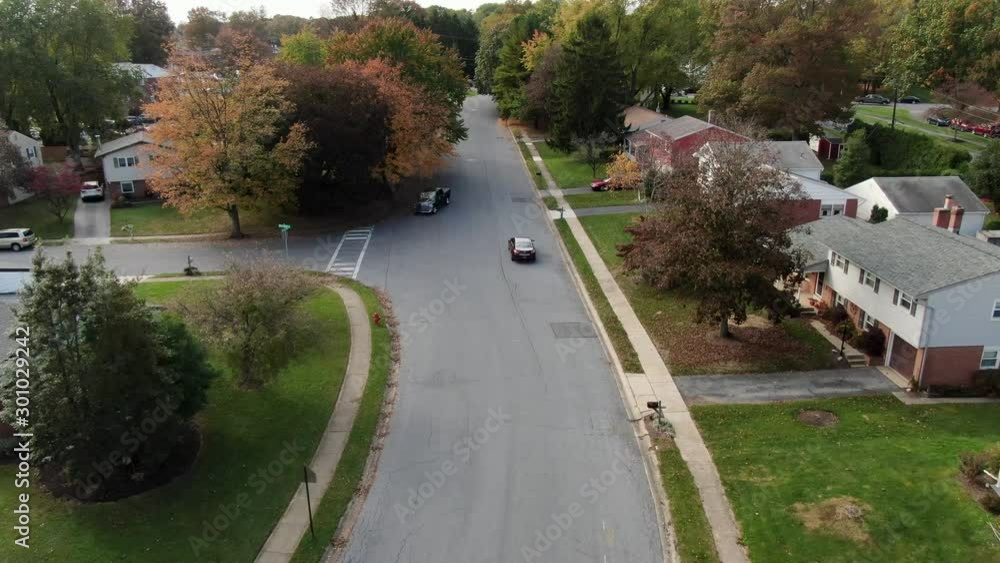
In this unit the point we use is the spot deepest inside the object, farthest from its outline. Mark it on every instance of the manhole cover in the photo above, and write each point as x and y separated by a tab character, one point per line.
573	330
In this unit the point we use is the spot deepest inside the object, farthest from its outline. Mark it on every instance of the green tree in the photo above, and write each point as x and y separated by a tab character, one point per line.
102	364
852	166
153	29
879	214
590	89
722	235
492	32
984	173
202	26
304	48
57	70
14	169
511	74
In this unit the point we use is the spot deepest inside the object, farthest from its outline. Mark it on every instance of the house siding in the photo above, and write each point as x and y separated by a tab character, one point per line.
139	187
954	365
962	314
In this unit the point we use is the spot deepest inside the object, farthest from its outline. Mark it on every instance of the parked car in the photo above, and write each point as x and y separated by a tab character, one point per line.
91	190
16	239
909	100
939	121
873	99
429	202
521	249
961	125
601	185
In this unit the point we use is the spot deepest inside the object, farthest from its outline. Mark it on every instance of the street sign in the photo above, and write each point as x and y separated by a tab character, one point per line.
284	228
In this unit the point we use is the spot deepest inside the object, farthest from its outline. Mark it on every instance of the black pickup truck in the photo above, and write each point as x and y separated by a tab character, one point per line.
430	202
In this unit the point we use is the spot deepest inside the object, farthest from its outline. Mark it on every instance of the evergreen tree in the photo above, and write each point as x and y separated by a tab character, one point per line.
852	167
590	89
511	76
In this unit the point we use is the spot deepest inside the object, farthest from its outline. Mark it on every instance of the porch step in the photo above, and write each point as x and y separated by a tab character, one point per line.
807	312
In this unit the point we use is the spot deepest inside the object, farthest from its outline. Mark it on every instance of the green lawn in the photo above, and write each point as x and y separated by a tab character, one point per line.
536	176
680	110
901	461
152	219
568	170
33	214
880	114
550	202
616	332
602	199
695	543
352	462
243	432
694	348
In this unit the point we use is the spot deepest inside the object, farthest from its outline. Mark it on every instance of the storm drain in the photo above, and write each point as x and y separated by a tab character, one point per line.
573	330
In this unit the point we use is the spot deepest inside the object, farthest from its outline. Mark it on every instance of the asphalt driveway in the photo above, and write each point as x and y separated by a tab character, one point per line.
92	219
786	386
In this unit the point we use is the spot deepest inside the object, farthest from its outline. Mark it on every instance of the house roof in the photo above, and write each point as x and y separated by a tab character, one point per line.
794	154
679	128
147	70
818	189
123	142
922	194
914	258
638	118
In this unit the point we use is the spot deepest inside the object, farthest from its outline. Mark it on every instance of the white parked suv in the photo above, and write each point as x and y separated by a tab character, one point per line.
16	239
91	190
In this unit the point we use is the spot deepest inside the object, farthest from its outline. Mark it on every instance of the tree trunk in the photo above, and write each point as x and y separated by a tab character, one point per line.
724	327
234	216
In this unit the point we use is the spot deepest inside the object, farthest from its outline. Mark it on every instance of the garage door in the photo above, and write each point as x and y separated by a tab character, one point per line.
903	357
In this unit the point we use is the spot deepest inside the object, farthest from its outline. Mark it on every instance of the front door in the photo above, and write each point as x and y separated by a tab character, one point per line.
820	278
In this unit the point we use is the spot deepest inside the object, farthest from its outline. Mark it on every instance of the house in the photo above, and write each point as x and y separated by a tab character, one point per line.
672	142
29	149
820	199
638	118
125	162
918	198
149	76
826	147
935	295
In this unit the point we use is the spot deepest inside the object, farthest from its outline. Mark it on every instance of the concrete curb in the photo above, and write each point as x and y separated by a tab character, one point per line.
289	530
651	462
656	383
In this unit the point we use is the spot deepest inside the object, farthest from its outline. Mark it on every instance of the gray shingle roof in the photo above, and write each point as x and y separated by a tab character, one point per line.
794	154
123	142
911	257
680	127
922	194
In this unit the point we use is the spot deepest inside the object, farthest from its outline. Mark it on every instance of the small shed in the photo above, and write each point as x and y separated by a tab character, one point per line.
825	147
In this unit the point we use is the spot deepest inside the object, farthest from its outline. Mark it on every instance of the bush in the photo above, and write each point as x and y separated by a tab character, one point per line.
986	382
902	153
871	342
992	225
973	466
120	201
834	315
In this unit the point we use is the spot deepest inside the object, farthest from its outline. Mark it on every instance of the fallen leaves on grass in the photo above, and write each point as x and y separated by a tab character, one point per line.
840	516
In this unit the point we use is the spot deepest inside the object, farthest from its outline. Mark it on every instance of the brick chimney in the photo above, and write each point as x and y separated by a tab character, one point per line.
942	216
955	218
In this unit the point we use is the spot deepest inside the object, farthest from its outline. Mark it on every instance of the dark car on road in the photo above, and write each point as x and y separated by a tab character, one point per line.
873	99
939	121
521	249
601	185
429	202
909	100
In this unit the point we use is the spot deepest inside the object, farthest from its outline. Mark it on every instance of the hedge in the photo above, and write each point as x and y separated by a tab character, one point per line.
902	153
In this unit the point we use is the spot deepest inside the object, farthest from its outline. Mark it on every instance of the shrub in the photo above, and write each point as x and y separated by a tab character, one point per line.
253	317
987	382
992	225
898	150
835	315
871	342
846	329
120	201
973	465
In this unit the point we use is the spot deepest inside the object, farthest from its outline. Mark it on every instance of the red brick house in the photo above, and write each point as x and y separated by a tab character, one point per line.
671	142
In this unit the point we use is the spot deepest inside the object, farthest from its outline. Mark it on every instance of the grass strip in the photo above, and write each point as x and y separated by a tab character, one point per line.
695	543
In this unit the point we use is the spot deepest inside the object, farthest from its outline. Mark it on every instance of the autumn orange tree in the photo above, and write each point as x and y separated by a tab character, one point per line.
224	140
624	172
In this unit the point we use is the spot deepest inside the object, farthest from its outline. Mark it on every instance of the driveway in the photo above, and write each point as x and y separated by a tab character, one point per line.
786	386
92	219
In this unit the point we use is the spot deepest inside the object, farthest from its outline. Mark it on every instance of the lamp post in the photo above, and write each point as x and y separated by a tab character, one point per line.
284	228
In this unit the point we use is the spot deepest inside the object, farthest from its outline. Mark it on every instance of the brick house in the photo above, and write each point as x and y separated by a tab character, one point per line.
934	294
671	142
125	162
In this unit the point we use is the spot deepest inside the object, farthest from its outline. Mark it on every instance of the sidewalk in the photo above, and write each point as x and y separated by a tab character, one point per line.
656	383
287	533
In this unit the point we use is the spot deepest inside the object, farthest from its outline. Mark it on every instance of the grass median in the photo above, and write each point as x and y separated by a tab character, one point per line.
529	160
613	326
695	543
603	199
350	469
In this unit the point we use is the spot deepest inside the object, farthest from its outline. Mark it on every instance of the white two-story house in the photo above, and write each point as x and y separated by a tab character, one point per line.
125	162
918	197
934	294
31	151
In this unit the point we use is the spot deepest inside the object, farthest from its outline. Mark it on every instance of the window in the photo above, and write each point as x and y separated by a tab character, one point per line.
831	210
839	300
126	162
989	359
868	321
128	188
870	279
996	310
906	302
838	260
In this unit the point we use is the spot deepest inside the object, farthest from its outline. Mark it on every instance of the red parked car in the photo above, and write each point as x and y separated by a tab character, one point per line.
601	185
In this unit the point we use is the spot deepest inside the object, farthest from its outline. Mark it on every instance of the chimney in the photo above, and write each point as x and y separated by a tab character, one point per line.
955	221
949	201
942	216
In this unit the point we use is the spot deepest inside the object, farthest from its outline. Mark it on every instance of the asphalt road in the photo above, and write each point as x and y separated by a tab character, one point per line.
459	481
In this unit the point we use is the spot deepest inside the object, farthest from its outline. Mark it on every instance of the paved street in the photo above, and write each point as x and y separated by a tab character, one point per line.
483	334
774	387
